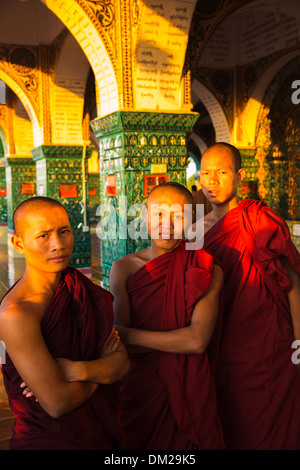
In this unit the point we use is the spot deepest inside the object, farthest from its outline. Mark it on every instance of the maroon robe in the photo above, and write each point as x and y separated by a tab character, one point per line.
75	325
169	400
258	386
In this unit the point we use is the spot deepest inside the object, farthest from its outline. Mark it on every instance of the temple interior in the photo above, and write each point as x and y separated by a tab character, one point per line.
106	99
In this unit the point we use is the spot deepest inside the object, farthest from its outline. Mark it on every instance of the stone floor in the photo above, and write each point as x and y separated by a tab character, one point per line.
10	271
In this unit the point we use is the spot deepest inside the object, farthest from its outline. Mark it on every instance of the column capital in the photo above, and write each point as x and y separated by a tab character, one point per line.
122	121
17	161
61	151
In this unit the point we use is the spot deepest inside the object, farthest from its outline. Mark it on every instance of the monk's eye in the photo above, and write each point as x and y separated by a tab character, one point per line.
44	235
178	217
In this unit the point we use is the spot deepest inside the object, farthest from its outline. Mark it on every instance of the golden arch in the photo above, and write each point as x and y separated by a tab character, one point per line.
85	32
3	141
215	110
36	128
252	110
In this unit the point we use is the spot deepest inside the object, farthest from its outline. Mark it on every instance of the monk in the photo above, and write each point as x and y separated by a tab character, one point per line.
51	315
166	305
258	384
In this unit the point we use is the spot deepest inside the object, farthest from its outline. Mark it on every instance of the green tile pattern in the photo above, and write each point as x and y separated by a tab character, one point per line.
56	165
130	144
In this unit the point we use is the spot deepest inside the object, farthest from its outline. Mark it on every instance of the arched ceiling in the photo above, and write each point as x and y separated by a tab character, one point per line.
251	32
27	22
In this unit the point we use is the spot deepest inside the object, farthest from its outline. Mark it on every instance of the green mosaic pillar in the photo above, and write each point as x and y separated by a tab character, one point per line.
248	188
61	173
94	196
138	150
20	185
3	206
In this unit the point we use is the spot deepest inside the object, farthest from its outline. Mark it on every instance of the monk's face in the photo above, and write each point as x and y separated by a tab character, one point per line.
46	238
219	178
167	217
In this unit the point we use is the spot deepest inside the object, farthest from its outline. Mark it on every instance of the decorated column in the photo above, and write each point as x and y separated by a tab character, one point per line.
61	173
3	205
248	189
20	185
138	150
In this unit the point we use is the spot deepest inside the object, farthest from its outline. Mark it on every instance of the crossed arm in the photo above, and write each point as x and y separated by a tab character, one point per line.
46	378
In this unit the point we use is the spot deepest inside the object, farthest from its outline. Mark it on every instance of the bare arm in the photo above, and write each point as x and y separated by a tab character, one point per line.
294	296
189	340
20	331
111	366
118	287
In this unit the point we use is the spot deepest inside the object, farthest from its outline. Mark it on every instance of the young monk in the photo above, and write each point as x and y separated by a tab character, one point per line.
52	312
258	384
166	303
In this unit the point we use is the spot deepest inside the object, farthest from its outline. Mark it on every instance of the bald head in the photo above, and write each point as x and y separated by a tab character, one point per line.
29	207
229	149
172	187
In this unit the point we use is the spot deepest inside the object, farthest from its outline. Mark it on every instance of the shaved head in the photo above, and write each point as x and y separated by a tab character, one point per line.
173	187
233	151
28	207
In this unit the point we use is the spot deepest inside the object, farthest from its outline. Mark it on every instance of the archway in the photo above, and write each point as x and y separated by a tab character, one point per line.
16	88
89	37
278	144
216	113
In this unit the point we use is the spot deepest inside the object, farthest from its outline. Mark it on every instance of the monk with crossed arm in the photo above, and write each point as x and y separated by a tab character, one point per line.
52	315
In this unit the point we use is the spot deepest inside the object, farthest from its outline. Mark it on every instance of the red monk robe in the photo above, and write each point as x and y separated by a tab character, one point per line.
75	325
258	385
169	400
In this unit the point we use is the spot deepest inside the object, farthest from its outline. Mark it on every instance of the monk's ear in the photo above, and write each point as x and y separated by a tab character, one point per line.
17	243
241	175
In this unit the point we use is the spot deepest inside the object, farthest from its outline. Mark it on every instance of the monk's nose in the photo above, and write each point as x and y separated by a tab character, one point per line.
213	178
56	242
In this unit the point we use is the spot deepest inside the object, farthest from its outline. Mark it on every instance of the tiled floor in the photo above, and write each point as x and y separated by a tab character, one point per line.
10	271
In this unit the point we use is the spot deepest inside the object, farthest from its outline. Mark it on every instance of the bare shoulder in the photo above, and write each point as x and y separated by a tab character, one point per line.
18	318
124	267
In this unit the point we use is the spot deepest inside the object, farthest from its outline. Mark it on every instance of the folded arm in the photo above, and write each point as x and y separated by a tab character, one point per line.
192	339
112	365
20	331
122	317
